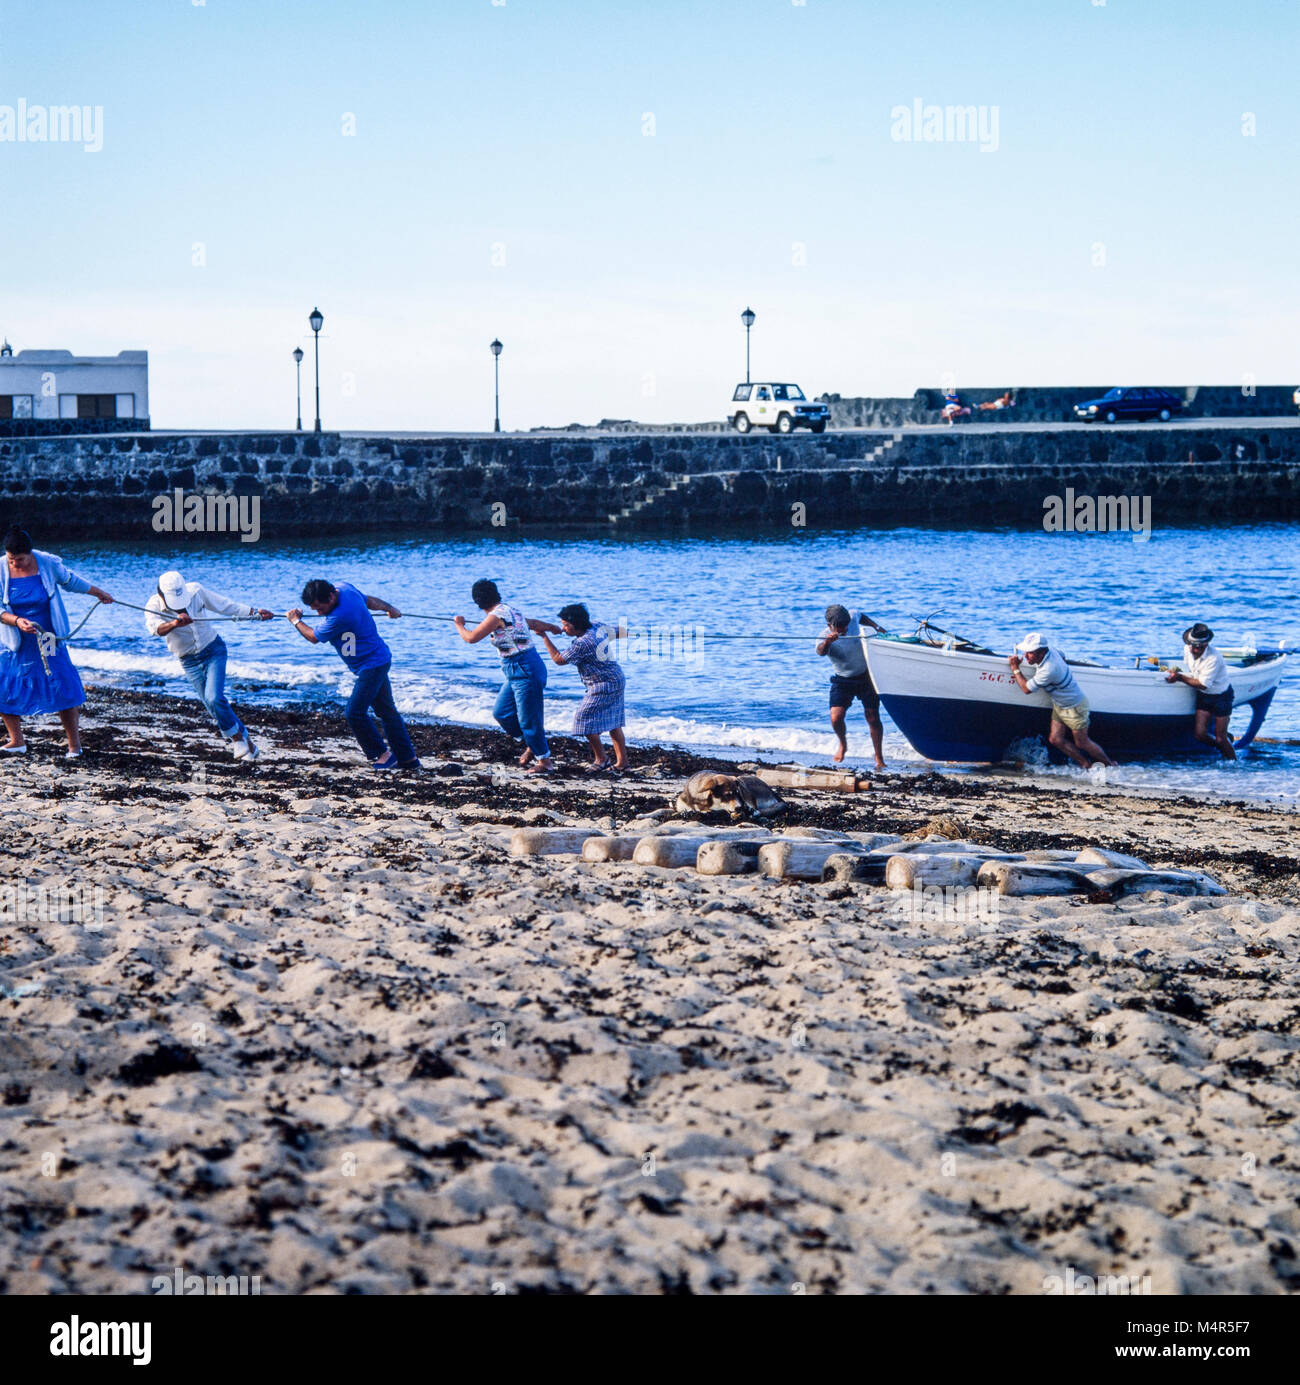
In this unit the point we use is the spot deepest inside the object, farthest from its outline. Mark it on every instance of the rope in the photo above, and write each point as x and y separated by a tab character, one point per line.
195	620
406	615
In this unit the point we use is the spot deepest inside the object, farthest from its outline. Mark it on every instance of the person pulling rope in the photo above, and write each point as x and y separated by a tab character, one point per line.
177	612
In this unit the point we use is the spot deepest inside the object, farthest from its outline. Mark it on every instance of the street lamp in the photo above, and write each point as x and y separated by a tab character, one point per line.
496	371
747	317
317	321
297	360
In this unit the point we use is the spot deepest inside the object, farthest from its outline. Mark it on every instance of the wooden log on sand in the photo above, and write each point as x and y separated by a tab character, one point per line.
728	857
848	865
1121	883
681	849
837	781
940	848
1033	878
801	860
1115	860
609	848
917	868
550	841
865	840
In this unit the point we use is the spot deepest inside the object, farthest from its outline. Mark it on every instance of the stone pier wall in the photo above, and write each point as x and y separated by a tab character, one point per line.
105	485
1037	404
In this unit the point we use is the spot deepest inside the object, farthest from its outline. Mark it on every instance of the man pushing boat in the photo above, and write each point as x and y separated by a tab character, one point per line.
850	678
1070	716
1207	676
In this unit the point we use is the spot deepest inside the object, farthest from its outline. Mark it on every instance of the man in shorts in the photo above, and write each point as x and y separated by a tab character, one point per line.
850	677
1070	717
1207	676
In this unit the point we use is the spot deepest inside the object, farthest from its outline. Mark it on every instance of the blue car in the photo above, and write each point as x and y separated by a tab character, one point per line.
1116	405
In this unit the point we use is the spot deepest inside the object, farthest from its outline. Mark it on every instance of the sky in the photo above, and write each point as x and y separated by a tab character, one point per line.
605	185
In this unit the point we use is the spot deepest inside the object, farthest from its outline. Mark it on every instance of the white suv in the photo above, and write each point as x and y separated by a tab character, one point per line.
779	408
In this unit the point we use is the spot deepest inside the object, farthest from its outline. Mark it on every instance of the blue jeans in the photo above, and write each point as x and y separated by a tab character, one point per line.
519	707
206	670
372	689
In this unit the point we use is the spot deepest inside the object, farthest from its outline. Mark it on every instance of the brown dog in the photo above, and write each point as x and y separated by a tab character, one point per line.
744	795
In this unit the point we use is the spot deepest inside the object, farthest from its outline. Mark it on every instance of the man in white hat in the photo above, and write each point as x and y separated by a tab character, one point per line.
1069	706
182	613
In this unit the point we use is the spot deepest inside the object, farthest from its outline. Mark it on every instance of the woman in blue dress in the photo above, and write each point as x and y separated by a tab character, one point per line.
602	708
36	673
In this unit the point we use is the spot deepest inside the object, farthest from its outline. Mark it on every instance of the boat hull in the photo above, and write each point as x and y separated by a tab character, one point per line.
967	707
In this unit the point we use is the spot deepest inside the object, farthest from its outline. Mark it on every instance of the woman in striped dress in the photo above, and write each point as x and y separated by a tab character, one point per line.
602	708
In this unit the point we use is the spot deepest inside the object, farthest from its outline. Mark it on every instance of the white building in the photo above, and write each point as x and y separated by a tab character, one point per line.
58	388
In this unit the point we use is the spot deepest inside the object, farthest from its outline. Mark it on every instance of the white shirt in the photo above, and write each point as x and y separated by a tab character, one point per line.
1210	669
1053	676
192	639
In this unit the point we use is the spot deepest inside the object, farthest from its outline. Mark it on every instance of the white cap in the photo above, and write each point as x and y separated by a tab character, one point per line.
1031	642
172	587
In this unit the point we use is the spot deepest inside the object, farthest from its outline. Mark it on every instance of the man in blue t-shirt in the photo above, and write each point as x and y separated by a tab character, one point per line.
350	628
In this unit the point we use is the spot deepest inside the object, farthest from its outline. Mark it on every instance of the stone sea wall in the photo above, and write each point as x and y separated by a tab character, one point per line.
107	486
1039	404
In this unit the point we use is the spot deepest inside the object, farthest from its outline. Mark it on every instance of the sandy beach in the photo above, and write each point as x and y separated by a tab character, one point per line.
319	1027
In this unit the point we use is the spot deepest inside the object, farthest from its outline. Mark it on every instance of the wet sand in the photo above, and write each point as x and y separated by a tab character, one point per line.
316	1025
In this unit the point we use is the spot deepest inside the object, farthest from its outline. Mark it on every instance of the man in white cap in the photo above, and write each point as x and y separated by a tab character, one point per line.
1207	676
1069	706
182	613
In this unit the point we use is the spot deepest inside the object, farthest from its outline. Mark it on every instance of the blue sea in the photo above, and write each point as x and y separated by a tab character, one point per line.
726	662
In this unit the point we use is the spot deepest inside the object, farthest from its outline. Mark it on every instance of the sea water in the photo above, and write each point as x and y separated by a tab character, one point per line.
690	680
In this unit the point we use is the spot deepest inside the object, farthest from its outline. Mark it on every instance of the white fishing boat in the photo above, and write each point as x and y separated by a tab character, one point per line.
955	700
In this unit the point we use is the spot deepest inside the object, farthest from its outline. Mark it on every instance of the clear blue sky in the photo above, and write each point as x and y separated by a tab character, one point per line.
628	257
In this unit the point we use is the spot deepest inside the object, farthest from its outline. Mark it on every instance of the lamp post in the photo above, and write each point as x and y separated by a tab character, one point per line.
496	371
317	321
297	360
747	317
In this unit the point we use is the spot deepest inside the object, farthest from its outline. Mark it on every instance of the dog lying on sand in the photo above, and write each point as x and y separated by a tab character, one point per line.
743	795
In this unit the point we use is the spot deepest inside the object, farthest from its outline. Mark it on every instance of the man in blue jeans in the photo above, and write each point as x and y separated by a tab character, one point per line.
350	628
184	614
